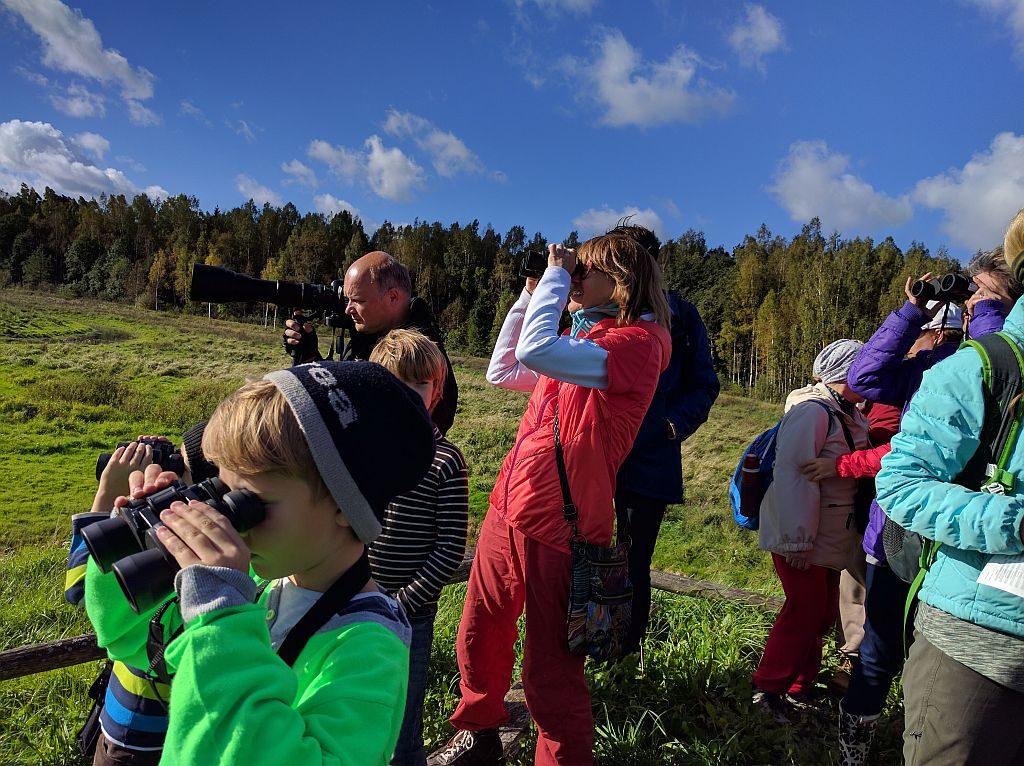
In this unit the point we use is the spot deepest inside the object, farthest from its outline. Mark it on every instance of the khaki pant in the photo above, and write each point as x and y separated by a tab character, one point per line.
957	717
851	604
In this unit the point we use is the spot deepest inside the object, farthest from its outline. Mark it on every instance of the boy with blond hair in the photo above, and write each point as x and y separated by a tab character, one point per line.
424	537
282	647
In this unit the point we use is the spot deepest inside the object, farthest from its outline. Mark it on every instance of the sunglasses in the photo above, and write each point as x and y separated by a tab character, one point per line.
582	270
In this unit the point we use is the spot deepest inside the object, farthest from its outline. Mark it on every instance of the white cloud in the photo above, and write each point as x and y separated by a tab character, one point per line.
759	34
241	127
811	182
979	199
579	7
330	205
38	154
257	192
390	173
634	92
140	114
673	209
449	154
72	44
95	143
598	221
1010	13
79	101
189	109
124	159
299	173
345	163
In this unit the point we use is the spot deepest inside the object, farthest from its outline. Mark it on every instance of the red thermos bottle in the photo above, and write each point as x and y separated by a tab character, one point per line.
750	486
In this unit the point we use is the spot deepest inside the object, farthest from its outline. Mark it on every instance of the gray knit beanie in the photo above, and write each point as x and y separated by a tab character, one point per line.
833	364
369	434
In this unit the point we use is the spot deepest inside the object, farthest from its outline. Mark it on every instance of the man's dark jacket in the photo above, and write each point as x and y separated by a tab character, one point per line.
685	393
360	345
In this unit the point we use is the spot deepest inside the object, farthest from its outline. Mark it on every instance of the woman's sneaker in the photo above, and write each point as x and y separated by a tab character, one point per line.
774	705
470	748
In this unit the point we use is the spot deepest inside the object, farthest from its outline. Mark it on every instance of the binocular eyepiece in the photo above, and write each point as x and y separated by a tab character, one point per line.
127	542
949	288
164	455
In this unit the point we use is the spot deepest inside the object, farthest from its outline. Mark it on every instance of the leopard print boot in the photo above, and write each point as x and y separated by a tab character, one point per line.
855	735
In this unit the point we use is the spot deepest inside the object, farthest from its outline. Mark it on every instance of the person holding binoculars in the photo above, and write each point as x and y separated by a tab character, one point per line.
281	646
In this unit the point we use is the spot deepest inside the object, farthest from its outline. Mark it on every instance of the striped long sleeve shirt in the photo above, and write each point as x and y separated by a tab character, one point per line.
424	536
134	713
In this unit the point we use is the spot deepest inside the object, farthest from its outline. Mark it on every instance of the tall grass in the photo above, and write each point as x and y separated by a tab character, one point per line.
78	376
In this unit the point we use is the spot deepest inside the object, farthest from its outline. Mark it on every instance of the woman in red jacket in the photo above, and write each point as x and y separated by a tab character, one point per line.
600	377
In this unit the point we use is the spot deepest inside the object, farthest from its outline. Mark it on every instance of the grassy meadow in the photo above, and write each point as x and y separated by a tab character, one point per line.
78	376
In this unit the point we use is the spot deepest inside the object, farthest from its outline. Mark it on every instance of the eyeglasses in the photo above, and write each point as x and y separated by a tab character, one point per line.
582	270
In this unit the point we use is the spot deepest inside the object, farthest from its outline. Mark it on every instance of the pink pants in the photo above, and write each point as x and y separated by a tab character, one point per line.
510	572
792	653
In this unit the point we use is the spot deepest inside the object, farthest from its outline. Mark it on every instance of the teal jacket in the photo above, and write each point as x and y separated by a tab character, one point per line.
938	435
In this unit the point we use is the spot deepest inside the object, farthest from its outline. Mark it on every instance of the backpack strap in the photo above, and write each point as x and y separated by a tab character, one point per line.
1002	374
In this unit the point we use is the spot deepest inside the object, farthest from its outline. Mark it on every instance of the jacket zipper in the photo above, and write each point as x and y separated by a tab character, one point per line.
515	452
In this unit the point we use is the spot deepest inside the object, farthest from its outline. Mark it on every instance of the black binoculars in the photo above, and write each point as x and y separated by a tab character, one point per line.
949	288
127	542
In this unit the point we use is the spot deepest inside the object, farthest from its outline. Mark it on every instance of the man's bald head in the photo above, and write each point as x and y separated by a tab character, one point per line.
378	289
380	270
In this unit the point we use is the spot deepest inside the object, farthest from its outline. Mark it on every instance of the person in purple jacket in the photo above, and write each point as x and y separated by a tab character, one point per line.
889	370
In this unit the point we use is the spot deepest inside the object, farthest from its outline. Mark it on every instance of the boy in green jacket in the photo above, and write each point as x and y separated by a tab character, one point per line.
324	446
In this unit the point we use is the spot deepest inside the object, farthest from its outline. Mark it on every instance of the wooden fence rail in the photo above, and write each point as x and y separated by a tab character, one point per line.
39	658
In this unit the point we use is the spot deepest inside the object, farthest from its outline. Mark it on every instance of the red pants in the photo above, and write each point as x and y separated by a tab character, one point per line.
511	571
792	653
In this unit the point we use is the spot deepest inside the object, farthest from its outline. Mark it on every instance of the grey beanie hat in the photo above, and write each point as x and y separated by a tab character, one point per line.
369	434
833	364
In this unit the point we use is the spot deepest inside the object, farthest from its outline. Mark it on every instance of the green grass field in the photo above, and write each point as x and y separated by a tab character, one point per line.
76	377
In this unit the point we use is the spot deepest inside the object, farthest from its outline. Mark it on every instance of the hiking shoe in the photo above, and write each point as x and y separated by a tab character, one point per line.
855	735
774	705
805	701
470	748
841	680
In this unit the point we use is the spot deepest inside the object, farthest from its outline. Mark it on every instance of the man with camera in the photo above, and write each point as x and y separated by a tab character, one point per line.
378	293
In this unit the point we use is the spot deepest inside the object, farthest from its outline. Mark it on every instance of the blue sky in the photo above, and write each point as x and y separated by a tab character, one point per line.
878	117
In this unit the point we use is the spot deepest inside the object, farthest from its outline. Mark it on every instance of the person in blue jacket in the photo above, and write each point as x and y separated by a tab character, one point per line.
963	683
652	475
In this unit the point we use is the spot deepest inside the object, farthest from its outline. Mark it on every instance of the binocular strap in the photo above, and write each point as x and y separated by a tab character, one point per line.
330	603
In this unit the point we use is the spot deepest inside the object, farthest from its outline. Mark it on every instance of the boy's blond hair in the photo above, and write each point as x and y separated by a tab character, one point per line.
254	432
1013	244
411	355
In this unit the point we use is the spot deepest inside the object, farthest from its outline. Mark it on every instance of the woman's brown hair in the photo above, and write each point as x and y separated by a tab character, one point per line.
639	288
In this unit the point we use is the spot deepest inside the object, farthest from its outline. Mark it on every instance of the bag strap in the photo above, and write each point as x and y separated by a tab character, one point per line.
568	507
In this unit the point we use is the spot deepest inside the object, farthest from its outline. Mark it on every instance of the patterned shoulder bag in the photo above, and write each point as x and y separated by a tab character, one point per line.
600	592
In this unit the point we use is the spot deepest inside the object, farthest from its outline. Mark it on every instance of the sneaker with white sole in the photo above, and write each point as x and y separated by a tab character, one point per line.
774	705
470	748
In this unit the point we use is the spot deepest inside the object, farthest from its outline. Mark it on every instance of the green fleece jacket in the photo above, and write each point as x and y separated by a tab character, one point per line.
234	701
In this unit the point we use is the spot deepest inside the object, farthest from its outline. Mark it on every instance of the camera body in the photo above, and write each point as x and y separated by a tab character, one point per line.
533	264
165	455
949	288
127	542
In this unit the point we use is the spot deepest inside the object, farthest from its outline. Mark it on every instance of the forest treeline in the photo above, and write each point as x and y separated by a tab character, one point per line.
769	304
